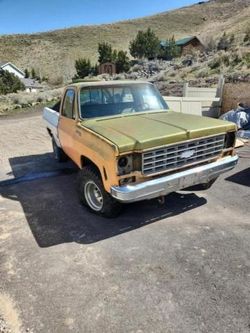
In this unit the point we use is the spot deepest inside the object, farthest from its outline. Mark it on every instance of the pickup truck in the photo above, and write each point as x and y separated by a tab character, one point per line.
129	146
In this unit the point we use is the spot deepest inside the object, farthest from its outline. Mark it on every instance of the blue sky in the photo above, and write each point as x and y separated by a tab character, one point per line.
26	16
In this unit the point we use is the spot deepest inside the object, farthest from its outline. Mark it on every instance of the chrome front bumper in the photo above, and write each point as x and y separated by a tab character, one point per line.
177	181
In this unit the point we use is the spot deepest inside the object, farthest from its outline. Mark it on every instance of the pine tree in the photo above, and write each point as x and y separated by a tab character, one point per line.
145	45
27	73
105	53
83	68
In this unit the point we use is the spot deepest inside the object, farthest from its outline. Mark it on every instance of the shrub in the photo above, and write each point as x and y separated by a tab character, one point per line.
215	63
246	59
56	80
225	42
83	68
247	37
122	62
210	45
9	83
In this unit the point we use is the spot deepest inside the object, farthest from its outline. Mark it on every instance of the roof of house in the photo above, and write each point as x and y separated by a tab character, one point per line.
31	83
179	42
4	63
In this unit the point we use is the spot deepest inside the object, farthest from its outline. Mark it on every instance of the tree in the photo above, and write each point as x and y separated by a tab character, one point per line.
9	83
122	62
84	68
33	73
27	73
145	45
170	50
106	53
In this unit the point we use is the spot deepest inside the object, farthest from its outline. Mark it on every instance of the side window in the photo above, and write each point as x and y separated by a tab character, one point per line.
68	104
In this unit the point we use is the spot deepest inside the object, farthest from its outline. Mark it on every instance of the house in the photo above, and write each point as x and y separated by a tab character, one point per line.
107	68
187	45
8	66
31	85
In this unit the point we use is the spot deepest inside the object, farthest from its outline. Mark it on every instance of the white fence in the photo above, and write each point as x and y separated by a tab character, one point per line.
200	106
198	101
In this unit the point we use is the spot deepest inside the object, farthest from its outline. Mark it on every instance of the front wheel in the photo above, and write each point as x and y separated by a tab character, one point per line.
93	195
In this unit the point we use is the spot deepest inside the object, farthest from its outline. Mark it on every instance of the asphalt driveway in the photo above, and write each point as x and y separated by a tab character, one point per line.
180	267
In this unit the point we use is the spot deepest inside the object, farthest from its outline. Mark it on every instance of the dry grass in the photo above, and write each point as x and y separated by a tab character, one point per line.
234	94
24	99
53	53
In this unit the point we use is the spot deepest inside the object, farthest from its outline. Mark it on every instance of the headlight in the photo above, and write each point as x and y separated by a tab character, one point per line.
125	165
229	140
123	162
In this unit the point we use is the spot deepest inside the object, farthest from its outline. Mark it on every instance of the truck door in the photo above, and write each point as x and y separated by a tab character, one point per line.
66	126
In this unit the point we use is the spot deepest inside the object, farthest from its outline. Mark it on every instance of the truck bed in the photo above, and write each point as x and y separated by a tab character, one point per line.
51	118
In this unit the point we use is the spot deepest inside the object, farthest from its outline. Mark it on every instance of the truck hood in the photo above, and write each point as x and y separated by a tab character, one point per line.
151	129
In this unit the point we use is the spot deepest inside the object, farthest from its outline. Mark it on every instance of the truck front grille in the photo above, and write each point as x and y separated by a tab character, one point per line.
182	154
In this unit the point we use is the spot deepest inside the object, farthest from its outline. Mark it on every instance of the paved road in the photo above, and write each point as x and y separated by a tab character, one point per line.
181	267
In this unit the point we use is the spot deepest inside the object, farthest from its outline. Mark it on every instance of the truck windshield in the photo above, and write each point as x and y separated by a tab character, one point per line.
110	100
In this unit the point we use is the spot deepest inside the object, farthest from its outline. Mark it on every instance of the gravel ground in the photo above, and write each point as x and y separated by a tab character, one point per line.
180	267
3	326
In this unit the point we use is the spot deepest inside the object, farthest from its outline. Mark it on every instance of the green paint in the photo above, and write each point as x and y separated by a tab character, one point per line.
152	129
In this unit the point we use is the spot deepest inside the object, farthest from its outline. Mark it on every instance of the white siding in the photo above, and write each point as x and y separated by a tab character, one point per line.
11	69
31	90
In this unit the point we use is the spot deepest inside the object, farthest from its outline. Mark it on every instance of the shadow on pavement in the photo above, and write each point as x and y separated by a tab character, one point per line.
55	216
242	177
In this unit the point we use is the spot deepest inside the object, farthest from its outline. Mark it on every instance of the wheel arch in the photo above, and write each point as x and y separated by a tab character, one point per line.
85	161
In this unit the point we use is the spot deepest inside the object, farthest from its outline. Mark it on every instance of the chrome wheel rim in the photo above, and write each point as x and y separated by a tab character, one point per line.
93	195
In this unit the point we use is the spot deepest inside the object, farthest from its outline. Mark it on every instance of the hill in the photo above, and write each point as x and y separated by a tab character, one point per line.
53	53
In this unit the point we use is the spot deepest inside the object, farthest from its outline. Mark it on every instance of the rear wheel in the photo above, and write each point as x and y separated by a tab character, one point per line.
59	154
93	195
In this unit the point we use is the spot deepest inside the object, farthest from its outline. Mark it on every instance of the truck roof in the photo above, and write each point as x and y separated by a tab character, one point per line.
105	83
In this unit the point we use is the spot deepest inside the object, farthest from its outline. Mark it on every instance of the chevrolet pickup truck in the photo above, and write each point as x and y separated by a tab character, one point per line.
129	146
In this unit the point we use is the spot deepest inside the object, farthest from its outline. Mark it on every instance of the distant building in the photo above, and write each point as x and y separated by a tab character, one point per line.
31	85
8	66
107	68
187	45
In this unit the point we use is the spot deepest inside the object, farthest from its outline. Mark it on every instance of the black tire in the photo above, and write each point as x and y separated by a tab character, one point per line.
59	154
108	206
